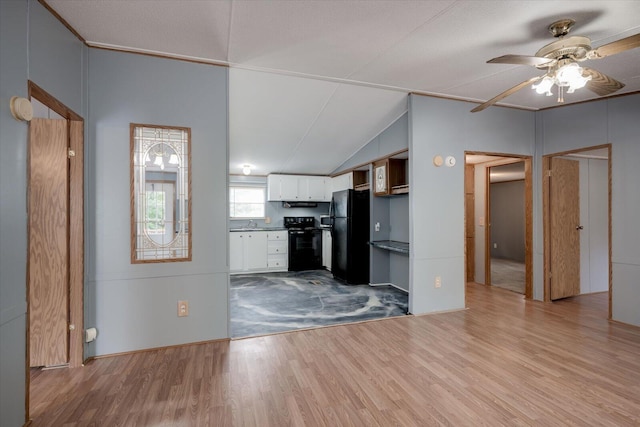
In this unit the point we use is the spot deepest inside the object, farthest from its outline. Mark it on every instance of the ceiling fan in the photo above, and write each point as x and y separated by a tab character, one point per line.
560	58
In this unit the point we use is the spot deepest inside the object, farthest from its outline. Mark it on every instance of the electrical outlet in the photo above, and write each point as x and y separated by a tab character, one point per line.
495	246
183	308
377	226
438	282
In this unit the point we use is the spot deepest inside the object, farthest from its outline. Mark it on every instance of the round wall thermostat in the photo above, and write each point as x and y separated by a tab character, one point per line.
438	161
450	161
21	109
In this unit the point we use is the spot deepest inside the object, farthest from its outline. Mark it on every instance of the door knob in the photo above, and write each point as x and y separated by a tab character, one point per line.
579	227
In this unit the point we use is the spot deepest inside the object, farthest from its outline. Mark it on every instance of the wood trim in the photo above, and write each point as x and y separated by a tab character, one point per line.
619	95
546	165
361	165
528	182
610	201
166	347
528	226
76	243
62	20
546	169
43	96
487	227
213	63
132	212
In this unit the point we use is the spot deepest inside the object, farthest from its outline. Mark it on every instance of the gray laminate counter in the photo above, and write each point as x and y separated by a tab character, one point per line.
392	246
245	229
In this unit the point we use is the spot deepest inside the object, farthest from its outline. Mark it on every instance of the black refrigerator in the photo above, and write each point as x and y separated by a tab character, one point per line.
350	236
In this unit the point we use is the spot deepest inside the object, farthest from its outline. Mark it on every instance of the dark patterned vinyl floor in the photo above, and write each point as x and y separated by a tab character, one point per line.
269	303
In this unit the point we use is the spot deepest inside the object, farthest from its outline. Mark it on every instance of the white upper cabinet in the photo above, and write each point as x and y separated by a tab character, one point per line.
297	188
342	182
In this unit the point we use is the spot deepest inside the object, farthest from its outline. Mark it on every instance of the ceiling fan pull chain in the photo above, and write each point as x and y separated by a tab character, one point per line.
560	94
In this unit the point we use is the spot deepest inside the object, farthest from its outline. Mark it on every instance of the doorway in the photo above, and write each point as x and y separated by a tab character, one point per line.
512	257
55	259
506	226
577	223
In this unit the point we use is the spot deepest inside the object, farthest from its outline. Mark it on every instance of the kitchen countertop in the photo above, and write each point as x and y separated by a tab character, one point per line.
257	229
391	245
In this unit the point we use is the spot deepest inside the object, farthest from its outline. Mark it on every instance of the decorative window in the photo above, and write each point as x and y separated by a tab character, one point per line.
160	193
246	202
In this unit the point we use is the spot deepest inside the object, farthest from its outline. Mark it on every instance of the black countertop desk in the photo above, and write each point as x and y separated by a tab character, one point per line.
392	246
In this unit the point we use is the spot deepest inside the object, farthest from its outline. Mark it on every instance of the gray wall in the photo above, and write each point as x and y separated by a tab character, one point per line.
507	220
612	121
134	306
391	212
436	200
33	46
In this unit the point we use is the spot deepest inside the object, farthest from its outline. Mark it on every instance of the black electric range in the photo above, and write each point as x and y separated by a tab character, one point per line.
305	243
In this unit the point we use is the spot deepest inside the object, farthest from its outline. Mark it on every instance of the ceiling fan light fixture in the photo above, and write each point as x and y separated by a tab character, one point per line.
571	75
544	86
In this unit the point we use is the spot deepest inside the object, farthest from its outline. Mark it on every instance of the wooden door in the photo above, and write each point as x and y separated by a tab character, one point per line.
48	243
469	218
564	215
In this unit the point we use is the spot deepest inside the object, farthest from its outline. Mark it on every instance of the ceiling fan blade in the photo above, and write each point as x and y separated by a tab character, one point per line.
534	61
506	93
617	46
601	84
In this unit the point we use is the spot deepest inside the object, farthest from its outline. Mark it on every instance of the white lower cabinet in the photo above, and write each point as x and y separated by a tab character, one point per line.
247	251
326	249
278	250
258	251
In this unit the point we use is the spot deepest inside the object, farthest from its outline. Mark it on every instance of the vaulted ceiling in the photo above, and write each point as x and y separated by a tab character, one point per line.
311	82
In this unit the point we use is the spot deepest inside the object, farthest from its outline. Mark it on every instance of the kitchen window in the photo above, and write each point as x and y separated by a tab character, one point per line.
246	202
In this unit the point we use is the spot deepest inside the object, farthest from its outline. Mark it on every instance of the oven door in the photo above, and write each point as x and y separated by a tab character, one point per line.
305	250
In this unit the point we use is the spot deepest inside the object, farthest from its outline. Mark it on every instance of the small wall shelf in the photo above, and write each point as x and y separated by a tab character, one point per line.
392	246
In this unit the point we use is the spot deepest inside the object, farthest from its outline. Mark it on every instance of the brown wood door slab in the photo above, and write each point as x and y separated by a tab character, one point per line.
564	199
48	243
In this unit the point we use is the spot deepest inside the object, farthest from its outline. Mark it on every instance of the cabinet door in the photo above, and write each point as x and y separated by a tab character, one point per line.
342	182
316	189
236	251
255	250
289	188
326	249
273	188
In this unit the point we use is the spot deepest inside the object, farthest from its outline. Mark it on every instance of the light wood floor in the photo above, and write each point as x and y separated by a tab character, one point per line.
504	361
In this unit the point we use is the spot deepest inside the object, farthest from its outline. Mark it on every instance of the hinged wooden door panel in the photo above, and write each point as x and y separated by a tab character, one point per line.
48	242
564	198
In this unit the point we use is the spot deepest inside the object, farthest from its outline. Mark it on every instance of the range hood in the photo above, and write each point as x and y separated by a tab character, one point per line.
299	205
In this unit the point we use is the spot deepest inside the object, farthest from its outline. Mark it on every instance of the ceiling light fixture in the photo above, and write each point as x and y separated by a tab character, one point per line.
566	74
246	169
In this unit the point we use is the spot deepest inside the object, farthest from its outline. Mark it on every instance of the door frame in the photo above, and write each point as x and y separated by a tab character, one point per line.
546	209
75	233
528	206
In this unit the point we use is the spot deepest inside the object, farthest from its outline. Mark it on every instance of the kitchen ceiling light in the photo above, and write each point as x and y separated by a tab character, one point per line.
246	169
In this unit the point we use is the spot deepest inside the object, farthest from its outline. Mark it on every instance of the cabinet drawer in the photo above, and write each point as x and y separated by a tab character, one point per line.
277	261
276	247
282	236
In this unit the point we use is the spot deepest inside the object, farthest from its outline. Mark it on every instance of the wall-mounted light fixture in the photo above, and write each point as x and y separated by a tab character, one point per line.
21	109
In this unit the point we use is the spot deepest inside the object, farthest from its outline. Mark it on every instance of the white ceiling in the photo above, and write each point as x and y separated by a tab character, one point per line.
311	82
